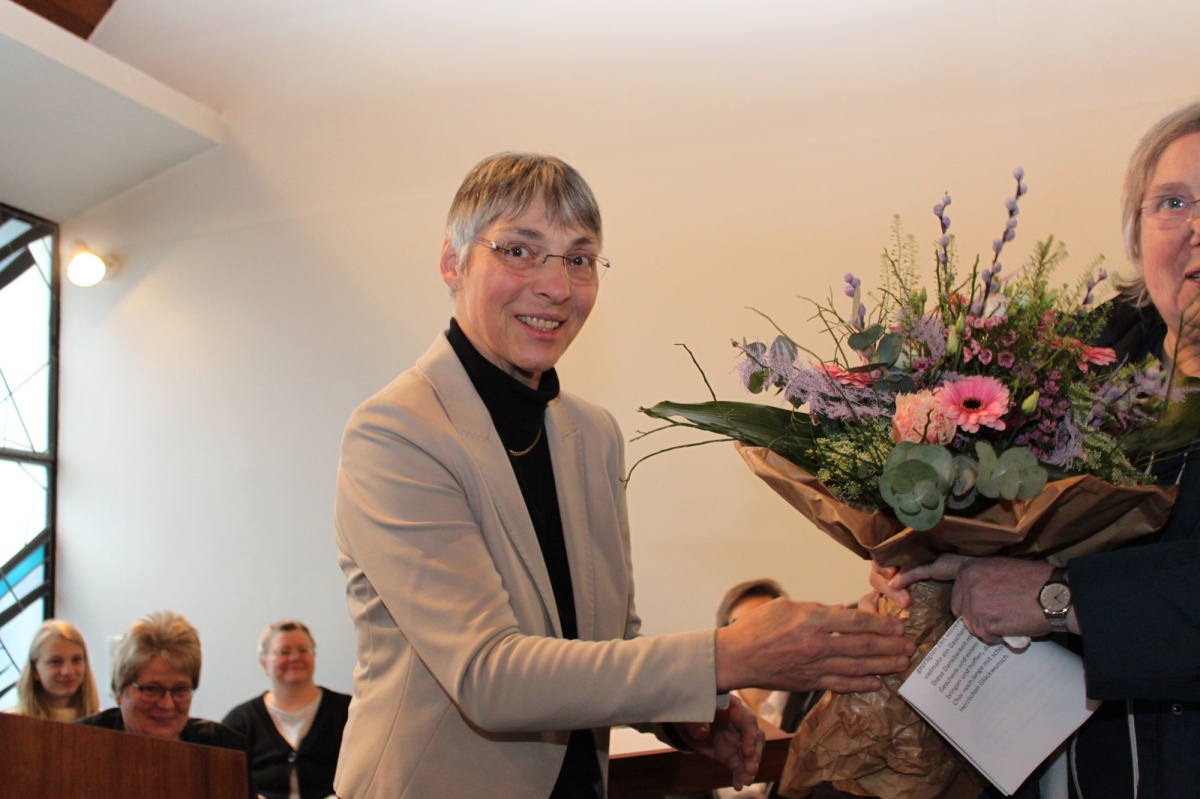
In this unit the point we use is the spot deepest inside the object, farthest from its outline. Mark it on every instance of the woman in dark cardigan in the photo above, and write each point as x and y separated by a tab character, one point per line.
294	731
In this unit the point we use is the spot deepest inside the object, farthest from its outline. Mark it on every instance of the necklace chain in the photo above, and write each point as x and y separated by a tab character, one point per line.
529	449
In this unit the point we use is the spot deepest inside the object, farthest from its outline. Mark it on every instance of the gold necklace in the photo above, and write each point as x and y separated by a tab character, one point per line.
528	449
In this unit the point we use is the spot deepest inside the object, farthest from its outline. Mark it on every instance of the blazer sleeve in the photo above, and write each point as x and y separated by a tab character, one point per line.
1140	618
410	519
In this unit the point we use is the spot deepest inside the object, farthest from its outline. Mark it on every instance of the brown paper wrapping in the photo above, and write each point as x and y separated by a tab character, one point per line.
875	744
1071	517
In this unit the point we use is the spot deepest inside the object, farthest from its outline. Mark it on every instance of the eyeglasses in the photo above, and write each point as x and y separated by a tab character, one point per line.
583	269
1169	210
287	653
181	694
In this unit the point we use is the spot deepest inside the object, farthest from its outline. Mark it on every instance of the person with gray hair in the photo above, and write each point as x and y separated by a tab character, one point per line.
481	525
1132	611
294	730
155	671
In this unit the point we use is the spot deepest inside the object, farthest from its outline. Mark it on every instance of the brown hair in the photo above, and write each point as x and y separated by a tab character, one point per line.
761	587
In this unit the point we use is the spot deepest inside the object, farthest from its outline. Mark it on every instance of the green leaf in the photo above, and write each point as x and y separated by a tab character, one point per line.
789	433
888	350
864	339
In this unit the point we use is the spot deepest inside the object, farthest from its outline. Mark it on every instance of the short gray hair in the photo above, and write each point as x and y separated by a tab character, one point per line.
164	633
287	626
503	186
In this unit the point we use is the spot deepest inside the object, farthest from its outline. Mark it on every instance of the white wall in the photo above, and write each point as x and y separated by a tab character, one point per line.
744	155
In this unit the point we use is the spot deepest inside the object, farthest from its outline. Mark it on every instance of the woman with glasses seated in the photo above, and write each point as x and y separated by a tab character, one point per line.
155	670
293	731
57	681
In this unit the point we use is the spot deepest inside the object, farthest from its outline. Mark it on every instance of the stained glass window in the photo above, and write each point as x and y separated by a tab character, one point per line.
28	428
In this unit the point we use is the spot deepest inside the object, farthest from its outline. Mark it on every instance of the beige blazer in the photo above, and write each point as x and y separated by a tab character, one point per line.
463	687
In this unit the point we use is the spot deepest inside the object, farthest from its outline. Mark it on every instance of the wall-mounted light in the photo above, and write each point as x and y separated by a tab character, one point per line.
86	268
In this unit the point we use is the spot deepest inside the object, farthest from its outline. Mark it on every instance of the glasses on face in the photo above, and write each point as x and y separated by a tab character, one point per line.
583	269
180	694
1170	210
299	651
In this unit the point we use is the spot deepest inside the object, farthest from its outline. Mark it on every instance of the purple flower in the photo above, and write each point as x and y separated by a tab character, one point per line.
1019	174
1008	338
1006	359
1011	205
1068	445
985	356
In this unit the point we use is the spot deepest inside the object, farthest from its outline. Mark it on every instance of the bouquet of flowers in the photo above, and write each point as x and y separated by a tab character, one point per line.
972	416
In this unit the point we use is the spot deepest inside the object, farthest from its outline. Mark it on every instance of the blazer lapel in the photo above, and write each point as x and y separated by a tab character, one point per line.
567	455
470	418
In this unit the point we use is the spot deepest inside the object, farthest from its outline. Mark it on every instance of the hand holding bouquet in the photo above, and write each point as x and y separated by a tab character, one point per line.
971	417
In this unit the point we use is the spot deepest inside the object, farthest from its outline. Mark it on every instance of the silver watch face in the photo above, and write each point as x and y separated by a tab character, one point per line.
1055	597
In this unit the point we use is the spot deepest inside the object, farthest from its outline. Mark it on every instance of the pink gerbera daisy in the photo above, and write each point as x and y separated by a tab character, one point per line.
974	401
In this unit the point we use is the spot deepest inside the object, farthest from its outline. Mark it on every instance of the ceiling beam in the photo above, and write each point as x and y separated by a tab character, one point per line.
80	17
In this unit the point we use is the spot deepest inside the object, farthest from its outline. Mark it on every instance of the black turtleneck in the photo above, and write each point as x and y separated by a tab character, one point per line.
518	413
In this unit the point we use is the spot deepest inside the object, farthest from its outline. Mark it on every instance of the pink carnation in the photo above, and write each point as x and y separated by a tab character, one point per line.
974	401
1098	356
846	377
920	419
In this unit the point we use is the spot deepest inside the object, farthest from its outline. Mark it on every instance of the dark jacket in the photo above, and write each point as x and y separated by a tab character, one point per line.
272	757
195	731
1140	615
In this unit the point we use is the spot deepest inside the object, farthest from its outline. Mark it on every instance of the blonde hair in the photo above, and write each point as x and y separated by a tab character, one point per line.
31	694
164	633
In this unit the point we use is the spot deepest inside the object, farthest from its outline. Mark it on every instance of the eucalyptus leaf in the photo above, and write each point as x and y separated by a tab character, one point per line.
865	338
888	349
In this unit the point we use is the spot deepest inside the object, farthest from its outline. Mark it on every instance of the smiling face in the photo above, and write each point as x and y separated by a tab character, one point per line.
164	718
59	669
521	321
1171	253
290	658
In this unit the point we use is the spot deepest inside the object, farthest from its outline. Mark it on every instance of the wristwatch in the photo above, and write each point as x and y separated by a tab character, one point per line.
1055	599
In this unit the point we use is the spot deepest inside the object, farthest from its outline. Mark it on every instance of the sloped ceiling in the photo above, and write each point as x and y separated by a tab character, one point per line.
80	126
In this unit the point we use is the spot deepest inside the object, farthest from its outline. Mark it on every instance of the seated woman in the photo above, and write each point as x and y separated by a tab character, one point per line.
294	730
155	670
57	682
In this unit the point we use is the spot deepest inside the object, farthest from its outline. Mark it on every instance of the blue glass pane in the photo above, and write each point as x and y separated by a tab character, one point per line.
23	502
15	638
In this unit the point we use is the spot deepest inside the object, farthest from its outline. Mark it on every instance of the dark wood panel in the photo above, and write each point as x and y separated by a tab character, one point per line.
54	760
653	774
80	17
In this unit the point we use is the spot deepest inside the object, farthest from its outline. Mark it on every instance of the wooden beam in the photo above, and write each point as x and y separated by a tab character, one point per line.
80	17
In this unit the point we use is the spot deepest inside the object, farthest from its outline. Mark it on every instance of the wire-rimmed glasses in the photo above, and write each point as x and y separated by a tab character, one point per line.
1169	210
583	269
